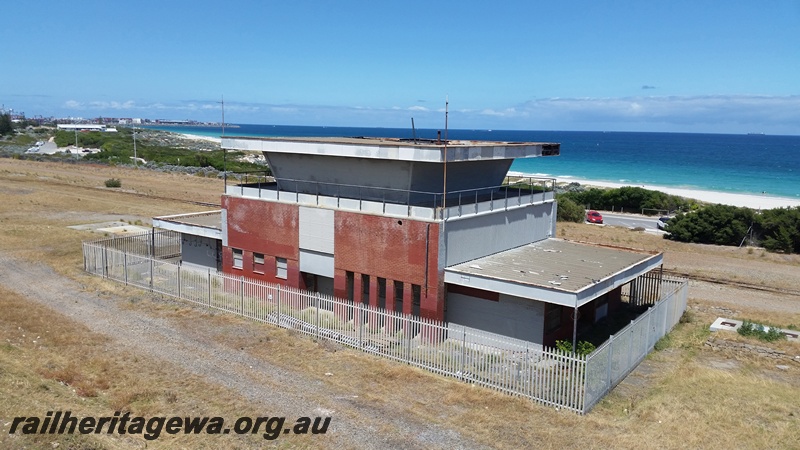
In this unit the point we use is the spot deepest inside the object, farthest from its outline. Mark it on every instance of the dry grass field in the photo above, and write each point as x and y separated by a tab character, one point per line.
73	342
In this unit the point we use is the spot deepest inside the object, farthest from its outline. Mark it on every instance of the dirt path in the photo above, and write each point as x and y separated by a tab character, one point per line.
273	389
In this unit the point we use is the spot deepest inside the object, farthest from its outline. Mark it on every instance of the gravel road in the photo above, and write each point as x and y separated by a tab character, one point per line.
267	387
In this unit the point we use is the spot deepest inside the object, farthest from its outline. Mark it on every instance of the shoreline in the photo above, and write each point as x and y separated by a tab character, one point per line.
753	201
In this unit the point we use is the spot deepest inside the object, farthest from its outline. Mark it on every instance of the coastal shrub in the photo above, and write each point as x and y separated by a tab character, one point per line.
113	183
568	210
629	198
768	334
777	230
714	224
780	229
6	126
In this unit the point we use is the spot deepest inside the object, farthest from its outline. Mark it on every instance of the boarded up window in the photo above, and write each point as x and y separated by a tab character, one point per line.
280	268
237	258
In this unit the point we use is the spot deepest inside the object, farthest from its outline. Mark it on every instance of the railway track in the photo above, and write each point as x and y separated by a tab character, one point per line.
725	282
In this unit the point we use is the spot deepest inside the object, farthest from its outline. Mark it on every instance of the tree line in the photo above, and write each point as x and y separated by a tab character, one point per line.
777	230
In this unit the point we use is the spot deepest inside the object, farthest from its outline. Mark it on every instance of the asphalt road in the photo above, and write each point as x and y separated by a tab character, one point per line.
630	220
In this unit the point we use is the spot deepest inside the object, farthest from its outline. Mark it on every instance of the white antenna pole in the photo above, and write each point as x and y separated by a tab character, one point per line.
135	161
224	153
444	187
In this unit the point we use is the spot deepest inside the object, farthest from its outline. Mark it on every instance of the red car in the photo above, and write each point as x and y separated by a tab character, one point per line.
594	217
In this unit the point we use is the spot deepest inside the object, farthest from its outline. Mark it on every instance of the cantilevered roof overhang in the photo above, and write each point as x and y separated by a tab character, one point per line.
206	223
554	271
419	150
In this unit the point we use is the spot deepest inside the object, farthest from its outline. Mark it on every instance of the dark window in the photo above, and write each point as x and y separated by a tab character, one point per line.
349	280
552	319
364	288
398	296
415	296
382	292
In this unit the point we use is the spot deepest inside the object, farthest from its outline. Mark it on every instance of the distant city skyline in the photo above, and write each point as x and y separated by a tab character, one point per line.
680	66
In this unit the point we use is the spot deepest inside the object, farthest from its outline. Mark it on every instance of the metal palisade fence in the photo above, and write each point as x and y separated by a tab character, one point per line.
513	366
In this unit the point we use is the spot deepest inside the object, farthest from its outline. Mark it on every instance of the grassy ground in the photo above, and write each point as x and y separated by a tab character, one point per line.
682	396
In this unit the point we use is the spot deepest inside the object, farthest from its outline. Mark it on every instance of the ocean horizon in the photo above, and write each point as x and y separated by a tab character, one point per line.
752	164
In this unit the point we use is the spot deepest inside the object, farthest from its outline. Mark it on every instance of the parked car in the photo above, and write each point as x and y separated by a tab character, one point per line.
594	217
663	222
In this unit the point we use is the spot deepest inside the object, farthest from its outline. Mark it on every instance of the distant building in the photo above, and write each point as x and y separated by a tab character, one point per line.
81	127
426	227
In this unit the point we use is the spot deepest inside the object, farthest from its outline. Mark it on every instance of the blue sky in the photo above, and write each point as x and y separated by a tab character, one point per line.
693	66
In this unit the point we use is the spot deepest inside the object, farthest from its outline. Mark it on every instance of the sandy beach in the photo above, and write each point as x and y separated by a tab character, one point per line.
753	201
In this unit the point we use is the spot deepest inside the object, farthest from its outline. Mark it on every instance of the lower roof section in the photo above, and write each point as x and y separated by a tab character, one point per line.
554	271
207	223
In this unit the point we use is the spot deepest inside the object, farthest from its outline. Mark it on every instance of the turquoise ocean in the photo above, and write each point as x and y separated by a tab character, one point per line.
742	164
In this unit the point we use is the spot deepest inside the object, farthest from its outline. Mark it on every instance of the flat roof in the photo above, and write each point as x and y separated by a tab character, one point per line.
555	271
205	223
423	150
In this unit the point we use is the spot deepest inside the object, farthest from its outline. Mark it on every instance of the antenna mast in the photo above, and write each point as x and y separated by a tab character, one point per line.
224	153
444	187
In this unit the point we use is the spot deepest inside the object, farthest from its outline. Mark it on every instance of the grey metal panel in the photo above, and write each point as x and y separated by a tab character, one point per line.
316	229
325	285
199	251
316	263
511	316
224	221
476	236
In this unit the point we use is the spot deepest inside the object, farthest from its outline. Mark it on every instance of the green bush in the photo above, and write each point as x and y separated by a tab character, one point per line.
584	347
569	211
778	230
629	198
113	183
752	329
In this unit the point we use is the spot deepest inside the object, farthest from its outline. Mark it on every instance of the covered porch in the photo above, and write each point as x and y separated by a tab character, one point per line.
553	290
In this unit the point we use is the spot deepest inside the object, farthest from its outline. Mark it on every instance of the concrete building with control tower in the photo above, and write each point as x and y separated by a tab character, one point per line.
432	228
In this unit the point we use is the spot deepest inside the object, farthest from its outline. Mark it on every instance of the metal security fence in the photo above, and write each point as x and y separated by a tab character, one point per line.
622	352
158	243
509	365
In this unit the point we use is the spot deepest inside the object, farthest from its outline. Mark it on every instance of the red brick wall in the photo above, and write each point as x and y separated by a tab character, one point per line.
391	248
263	227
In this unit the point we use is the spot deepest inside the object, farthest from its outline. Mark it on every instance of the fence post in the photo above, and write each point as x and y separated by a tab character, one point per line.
280	289
105	262
610	362
317	298
360	326
408	337
179	281
630	349
241	295
125	266
209	288
152	268
464	354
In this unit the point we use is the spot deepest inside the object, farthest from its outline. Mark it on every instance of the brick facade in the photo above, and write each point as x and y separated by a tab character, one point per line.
382	251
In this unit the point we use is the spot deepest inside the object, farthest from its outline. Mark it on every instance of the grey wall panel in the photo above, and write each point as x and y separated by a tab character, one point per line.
316	263
511	316
199	251
476	236
316	229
